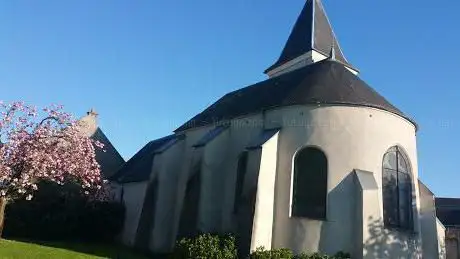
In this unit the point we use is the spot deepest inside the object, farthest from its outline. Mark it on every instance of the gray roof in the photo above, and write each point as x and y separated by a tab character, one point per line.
324	82
448	211
109	159
212	134
139	167
312	31
262	138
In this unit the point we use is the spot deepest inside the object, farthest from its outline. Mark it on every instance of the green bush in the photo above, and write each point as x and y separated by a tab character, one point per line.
283	253
206	246
63	213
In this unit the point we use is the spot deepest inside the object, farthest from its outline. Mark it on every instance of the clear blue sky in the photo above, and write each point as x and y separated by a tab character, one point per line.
148	66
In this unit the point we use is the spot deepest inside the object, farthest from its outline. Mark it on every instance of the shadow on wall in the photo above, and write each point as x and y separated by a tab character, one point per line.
188	224
342	225
245	219
383	243
451	247
147	218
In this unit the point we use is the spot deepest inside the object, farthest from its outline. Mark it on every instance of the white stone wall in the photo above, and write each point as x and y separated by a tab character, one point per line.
166	168
219	163
441	239
133	197
431	243
351	137
262	232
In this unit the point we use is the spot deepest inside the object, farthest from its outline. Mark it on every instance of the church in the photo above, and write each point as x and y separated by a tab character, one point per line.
312	159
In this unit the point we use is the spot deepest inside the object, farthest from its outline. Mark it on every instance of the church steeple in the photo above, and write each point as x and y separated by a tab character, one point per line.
311	40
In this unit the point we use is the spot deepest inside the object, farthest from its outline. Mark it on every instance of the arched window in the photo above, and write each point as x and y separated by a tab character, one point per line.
397	190
240	175
310	184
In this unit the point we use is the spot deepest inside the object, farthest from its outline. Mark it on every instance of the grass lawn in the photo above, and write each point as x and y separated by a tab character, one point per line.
15	249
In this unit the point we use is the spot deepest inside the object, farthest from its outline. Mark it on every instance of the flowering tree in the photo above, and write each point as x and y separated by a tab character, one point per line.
45	144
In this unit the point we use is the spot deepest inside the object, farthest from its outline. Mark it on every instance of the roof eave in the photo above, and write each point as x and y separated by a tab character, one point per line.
187	126
346	64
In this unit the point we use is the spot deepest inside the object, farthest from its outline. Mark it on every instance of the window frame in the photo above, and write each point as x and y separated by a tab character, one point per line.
405	186
293	212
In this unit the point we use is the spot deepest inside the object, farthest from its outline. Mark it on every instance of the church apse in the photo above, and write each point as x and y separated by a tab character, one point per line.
314	98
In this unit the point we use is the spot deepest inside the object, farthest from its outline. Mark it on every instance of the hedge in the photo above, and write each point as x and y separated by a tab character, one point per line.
224	247
63	213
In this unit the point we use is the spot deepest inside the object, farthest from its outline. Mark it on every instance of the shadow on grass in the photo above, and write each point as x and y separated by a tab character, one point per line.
113	251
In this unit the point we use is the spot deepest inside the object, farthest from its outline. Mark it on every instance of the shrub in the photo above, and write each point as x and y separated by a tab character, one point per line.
63	213
313	256
224	247
206	246
281	253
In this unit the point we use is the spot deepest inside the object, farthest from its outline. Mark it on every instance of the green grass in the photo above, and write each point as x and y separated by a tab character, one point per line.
31	250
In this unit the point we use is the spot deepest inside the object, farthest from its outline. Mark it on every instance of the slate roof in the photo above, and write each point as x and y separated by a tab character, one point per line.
324	82
312	31
262	138
139	167
212	134
109	159
448	203
448	211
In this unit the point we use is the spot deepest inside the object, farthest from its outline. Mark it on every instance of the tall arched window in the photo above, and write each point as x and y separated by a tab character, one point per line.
397	190
309	184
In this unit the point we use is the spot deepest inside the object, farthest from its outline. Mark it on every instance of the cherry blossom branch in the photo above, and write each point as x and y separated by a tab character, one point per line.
32	149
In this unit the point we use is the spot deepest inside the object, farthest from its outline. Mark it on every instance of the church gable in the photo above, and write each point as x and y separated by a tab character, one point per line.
109	159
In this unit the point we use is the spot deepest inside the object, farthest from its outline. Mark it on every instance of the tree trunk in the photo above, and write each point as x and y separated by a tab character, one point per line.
3	202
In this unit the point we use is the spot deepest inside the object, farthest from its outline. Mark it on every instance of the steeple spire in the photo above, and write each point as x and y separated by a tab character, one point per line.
312	39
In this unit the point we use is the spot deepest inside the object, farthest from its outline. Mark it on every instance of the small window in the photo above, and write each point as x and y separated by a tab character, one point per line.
310	184
396	190
240	175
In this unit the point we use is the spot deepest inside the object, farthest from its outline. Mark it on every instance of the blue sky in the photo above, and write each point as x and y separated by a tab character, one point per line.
148	66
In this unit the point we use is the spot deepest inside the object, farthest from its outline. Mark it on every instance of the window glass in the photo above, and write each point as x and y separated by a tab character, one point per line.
310	184
396	190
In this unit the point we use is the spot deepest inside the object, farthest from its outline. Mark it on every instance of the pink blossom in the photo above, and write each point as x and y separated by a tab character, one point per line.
43	145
